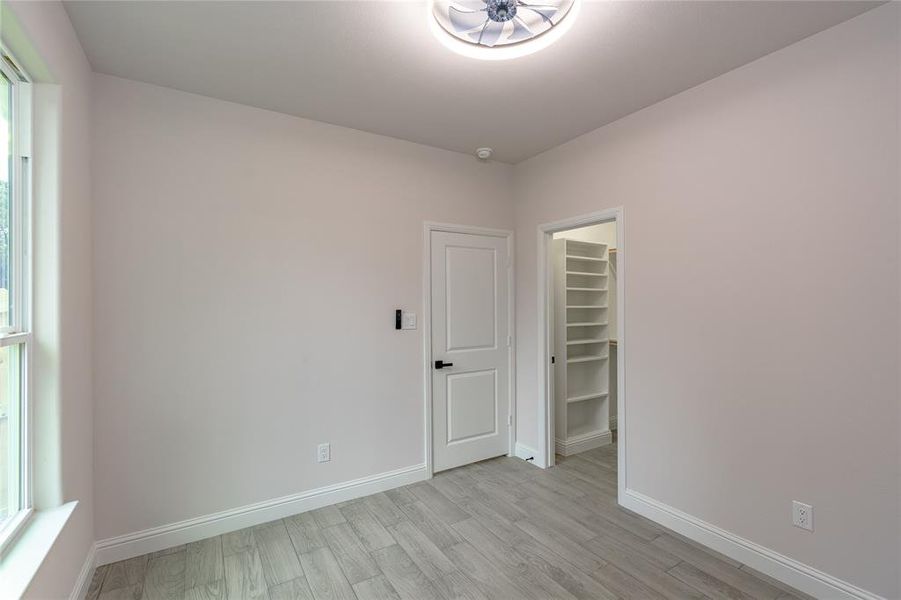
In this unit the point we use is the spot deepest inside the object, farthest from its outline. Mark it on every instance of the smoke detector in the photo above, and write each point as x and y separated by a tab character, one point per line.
484	153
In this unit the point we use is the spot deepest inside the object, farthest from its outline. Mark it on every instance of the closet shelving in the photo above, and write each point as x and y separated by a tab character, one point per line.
581	345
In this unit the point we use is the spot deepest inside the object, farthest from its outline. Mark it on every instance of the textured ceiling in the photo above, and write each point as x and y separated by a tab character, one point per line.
376	66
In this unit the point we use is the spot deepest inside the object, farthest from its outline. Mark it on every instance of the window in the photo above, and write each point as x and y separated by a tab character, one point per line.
15	298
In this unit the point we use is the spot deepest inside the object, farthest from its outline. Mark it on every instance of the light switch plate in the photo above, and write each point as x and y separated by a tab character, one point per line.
409	320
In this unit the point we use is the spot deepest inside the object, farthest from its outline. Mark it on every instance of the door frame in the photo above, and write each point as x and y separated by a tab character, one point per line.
428	228
546	233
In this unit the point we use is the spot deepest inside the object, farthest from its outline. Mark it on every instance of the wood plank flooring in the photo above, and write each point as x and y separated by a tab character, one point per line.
500	529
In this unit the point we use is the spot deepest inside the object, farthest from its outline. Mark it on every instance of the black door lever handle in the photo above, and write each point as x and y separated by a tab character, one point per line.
440	364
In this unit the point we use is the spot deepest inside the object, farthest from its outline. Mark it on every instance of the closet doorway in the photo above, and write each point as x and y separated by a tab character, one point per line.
581	268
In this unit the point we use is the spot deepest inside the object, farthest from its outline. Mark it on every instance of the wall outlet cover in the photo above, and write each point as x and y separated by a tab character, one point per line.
802	515
324	453
409	320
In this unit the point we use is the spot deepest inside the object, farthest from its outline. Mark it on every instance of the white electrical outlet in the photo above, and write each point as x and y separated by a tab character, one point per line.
324	453
409	320
802	515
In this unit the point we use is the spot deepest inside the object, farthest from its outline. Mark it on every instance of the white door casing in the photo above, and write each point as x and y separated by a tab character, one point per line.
470	329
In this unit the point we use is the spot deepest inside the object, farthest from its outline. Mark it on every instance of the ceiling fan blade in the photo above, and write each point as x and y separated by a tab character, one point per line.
546	12
489	34
469	5
466	21
520	31
492	33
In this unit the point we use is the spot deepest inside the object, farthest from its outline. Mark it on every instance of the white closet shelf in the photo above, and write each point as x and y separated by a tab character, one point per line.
590	341
591	258
584	243
584	289
582	359
585	397
586	274
587	324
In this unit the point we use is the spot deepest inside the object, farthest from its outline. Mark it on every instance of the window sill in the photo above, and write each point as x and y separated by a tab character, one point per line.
25	555
10	531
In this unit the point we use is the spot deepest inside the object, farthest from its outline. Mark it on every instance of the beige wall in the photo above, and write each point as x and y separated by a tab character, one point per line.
41	36
774	190
247	268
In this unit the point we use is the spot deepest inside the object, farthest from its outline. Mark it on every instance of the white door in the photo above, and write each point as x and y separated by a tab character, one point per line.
470	353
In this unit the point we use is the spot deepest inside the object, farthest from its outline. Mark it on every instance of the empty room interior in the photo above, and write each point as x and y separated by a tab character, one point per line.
450	299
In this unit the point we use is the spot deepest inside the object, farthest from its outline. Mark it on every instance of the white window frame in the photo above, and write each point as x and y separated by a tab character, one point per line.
18	333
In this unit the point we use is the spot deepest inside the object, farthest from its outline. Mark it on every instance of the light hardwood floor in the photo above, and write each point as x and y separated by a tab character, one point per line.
499	529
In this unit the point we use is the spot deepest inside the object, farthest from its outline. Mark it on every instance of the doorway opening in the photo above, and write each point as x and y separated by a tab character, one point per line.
581	337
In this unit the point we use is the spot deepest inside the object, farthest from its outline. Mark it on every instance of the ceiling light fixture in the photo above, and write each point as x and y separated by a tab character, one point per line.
500	29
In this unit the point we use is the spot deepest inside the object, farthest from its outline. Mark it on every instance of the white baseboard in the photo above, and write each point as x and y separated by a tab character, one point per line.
524	452
84	577
581	443
191	530
778	566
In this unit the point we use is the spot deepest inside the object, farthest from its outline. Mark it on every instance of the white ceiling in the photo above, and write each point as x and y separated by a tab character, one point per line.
376	66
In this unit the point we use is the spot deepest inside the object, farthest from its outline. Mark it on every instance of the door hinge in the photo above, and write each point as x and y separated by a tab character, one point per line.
509	420
509	341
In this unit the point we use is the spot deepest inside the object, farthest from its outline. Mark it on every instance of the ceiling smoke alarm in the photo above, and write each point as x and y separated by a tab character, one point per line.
484	153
